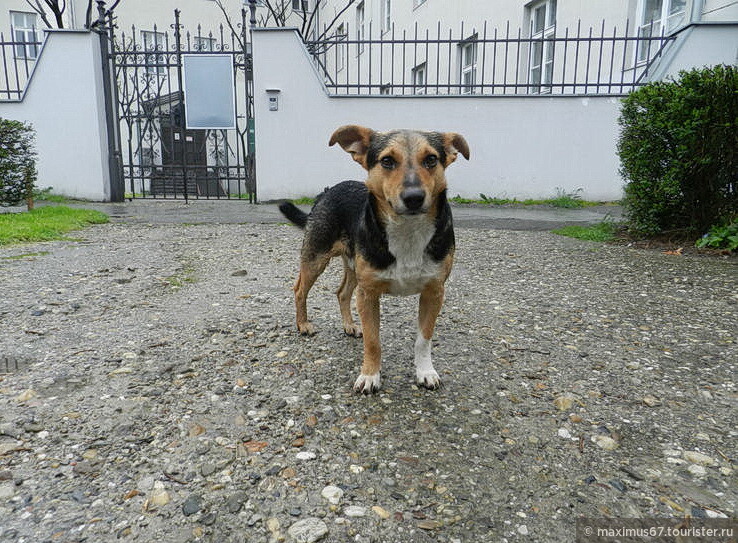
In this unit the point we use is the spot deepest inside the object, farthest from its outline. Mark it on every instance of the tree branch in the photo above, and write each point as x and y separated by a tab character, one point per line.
227	17
38	8
335	19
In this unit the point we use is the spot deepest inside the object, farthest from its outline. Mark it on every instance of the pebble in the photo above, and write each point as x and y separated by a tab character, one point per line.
381	512
354	511
605	442
698	458
192	504
235	501
564	402
523	529
26	395
7	490
564	433
697	470
651	401
333	494
272	525
308	530
159	497
306	455
429	525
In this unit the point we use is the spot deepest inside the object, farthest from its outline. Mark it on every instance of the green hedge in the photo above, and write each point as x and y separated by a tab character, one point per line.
678	151
17	162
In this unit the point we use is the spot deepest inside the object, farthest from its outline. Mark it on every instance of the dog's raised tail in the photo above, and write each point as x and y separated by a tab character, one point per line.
294	214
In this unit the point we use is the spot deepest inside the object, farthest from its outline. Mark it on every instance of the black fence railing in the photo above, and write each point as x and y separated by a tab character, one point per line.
488	61
161	157
17	58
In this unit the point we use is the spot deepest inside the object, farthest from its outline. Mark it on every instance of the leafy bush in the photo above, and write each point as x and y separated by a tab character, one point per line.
721	237
17	162
678	151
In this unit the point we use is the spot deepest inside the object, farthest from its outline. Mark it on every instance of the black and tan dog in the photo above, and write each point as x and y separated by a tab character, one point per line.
394	233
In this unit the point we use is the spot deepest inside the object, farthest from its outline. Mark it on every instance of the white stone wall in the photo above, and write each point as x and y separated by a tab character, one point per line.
64	103
524	147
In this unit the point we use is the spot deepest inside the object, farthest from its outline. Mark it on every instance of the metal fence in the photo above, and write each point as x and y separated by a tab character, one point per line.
160	156
488	60
18	54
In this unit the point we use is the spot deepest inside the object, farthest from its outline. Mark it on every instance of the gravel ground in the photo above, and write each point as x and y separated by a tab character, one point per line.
152	388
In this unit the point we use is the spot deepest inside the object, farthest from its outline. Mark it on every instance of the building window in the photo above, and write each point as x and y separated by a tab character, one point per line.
205	44
154	41
299	5
360	33
658	17
468	63
420	79
341	47
386	15
542	34
23	26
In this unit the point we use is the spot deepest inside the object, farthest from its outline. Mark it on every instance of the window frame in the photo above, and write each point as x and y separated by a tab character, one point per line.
667	22
212	44
360	27
25	38
386	15
420	84
341	48
159	44
543	46
468	71
300	5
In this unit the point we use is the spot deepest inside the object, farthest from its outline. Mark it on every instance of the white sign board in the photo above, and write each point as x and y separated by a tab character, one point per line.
209	92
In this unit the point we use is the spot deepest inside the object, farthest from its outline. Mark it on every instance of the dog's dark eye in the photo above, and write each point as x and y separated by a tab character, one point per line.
388	163
430	161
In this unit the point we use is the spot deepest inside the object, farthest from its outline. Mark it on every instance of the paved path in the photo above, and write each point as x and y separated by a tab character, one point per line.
538	217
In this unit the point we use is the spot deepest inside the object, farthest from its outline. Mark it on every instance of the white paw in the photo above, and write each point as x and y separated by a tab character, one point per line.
367	384
428	379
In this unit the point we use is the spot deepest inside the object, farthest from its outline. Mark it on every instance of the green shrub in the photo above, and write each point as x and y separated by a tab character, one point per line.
721	237
678	151
17	162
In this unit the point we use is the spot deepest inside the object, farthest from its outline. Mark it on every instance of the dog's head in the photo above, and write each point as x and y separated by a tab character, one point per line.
406	168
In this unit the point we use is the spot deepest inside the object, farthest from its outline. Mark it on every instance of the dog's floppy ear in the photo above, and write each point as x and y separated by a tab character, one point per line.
454	144
354	140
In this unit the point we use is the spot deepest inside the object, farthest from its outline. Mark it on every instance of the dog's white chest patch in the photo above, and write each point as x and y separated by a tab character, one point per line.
413	267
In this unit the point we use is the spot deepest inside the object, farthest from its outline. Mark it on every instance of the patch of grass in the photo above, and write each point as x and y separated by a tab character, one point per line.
25	255
602	232
568	200
46	223
563	199
304	201
45	195
183	276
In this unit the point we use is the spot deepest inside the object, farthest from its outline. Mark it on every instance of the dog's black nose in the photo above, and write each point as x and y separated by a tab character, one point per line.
413	198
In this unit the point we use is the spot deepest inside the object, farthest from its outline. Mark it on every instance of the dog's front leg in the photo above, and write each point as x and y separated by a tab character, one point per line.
431	300
367	304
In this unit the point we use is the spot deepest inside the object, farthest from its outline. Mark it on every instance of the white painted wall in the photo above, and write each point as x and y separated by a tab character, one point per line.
520	147
699	46
64	103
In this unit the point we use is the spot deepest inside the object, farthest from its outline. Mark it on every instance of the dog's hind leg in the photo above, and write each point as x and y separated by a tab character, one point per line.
344	294
310	270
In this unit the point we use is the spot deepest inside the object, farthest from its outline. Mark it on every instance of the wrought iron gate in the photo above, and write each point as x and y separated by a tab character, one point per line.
160	157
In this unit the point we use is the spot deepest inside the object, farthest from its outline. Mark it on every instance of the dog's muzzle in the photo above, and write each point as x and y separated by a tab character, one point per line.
413	199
